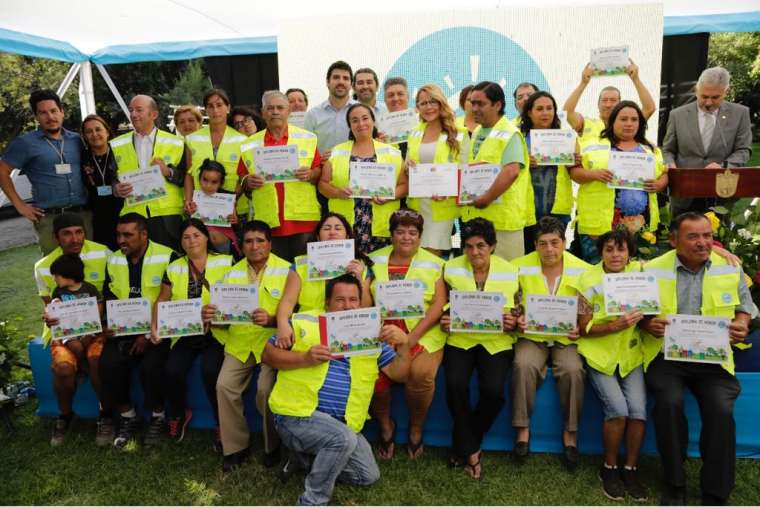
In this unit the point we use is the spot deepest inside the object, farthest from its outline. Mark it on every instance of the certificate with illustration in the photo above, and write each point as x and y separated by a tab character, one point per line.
78	317
234	303
553	146
551	315
297	118
476	312
475	180
400	299
628	292
609	61
213	209
351	332
329	259
129	316
179	318
369	179
147	185
433	180
276	163
397	125
697	339
630	170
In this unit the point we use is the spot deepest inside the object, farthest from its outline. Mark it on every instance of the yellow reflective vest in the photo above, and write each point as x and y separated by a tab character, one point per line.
502	278
296	392
154	264
563	193
166	147
425	267
592	128
340	159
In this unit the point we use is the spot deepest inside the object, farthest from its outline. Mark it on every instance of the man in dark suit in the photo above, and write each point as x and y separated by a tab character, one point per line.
709	133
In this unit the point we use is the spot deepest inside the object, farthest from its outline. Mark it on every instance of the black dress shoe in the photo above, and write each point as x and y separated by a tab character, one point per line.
521	452
570	457
673	496
271	459
708	499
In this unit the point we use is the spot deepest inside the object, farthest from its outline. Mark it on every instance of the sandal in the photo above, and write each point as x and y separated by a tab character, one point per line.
415	449
387	448
475	470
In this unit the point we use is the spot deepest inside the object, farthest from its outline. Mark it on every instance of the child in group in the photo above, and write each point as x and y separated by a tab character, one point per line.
211	177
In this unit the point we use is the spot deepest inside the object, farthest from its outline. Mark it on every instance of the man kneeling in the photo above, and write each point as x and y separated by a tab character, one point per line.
320	402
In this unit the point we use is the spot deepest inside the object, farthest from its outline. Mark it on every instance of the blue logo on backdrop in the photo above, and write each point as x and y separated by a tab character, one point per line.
456	57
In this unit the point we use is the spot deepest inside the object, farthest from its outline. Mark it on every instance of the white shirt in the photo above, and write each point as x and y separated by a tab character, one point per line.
703	118
144	148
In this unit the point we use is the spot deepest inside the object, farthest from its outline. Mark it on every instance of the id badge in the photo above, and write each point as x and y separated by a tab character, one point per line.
105	190
62	168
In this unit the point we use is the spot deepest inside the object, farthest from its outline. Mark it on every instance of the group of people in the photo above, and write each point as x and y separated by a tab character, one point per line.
513	242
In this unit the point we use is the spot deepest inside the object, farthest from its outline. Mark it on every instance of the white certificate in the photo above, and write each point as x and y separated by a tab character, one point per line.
609	61
562	115
551	315
401	299
180	318
553	146
234	303
368	179
630	170
626	292
351	332
276	163
78	317
476	312
297	118
129	316
329	259
396	126
433	180
696	339
215	208
147	185
475	180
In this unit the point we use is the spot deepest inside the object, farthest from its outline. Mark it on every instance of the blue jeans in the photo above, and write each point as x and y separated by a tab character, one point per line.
621	396
338	454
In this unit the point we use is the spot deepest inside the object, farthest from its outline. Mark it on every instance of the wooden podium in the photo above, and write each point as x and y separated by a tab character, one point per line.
725	183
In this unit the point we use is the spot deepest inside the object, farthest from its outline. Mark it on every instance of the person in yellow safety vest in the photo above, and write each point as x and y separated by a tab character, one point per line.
508	203
611	345
404	259
488	353
290	208
191	277
601	207
69	233
552	188
693	280
549	271
217	142
589	128
436	140
320	401
187	119
522	93
145	147
368	217
134	271
244	344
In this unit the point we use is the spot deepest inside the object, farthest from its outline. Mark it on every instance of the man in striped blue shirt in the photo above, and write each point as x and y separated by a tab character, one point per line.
328	436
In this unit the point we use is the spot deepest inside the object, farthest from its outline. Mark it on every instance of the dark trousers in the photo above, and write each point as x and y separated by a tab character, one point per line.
716	391
165	230
116	365
471	424
290	247
180	360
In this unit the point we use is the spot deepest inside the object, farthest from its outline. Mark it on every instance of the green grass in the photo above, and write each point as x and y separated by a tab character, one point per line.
754	160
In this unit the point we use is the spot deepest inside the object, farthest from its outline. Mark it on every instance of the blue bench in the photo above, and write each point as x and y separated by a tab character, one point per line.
546	425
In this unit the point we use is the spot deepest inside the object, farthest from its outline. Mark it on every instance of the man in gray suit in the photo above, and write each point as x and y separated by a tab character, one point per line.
709	133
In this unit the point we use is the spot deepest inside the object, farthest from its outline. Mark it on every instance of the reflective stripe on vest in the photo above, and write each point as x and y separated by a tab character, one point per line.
296	391
154	264
228	154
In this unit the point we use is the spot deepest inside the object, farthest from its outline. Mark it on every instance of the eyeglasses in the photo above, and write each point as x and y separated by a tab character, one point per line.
428	103
242	123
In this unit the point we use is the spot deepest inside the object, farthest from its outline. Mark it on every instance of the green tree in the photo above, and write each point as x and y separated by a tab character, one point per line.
739	53
190	86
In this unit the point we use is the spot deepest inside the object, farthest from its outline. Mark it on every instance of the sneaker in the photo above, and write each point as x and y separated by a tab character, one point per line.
218	441
104	434
155	431
60	427
128	426
612	485
633	487
571	457
291	466
178	426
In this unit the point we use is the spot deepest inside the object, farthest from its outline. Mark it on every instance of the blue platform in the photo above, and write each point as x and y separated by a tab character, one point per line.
546	425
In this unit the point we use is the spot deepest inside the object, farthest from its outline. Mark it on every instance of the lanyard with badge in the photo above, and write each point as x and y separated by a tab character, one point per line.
103	190
63	167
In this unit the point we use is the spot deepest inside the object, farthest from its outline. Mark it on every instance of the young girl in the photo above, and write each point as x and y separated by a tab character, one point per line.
211	176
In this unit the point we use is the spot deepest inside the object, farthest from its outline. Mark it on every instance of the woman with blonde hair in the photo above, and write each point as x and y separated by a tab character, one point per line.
187	119
436	140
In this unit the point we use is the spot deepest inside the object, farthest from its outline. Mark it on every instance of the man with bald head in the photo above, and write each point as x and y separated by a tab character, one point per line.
141	149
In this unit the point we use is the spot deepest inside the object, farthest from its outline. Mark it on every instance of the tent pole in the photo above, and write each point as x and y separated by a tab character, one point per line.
86	92
73	71
114	90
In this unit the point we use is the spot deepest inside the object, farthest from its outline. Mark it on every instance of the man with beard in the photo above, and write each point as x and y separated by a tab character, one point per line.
328	119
